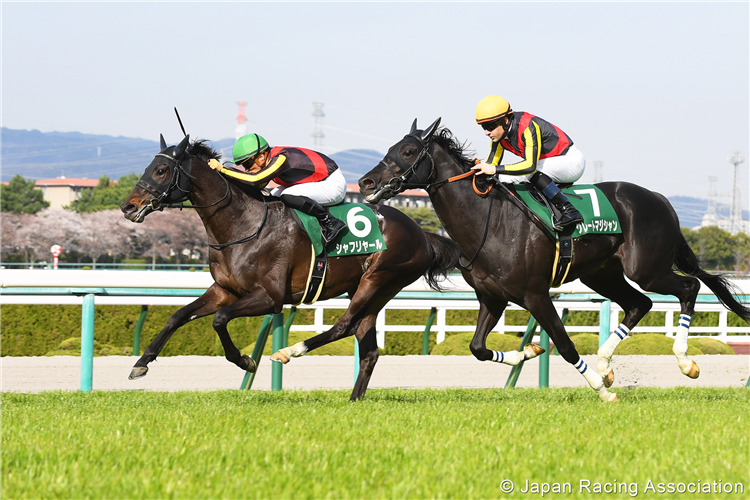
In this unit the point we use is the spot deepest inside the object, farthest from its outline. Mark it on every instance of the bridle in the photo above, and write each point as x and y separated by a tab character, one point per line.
177	191
398	184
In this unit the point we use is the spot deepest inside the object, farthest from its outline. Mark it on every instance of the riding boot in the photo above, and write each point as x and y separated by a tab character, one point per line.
330	226
569	215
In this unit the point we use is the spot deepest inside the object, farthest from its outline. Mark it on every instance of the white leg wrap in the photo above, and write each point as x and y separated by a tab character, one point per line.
595	381
608	348
284	355
297	350
680	346
508	358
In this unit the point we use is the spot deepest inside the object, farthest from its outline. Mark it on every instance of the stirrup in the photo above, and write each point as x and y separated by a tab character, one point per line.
329	233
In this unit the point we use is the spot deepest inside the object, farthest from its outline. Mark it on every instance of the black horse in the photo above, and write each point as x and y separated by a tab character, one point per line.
512	254
260	257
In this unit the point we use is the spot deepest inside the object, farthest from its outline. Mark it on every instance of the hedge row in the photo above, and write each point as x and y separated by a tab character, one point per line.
38	330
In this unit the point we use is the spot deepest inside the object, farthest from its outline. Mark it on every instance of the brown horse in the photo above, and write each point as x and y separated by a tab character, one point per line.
512	255
260	257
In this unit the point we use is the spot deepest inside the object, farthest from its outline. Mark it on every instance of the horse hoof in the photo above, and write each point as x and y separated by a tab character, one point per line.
608	397
531	351
694	371
280	357
252	366
609	379
138	372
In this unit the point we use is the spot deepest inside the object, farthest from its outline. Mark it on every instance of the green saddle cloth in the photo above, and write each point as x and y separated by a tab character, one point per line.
361	236
598	215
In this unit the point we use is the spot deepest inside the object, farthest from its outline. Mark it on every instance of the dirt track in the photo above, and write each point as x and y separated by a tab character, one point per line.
34	374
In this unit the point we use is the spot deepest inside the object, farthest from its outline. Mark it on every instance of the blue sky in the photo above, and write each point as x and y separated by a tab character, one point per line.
658	92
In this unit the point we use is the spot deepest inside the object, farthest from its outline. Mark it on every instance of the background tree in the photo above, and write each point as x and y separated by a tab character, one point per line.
107	195
426	218
713	246
21	197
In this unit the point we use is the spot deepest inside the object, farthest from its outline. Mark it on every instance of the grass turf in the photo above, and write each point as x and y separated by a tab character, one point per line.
394	444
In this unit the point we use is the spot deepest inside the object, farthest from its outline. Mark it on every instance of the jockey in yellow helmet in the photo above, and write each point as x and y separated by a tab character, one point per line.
548	153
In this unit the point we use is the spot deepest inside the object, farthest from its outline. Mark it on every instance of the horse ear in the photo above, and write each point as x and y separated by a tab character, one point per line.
413	126
430	130
181	147
163	143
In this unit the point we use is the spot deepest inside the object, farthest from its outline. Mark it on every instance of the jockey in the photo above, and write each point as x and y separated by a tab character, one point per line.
307	180
548	153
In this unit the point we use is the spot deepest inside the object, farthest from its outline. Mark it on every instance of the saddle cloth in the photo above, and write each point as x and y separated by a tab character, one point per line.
361	236
598	215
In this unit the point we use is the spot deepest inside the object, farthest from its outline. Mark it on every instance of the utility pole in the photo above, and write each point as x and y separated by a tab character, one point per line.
735	215
318	134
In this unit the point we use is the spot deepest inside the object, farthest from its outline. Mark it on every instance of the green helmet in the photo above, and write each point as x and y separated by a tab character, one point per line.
248	146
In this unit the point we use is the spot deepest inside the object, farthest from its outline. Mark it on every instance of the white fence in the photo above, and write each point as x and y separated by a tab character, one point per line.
165	286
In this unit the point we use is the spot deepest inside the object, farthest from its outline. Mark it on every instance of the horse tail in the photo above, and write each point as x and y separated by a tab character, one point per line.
687	262
445	254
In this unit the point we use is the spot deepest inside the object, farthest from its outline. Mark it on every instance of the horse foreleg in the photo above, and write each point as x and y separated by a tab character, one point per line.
368	355
257	303
541	307
490	310
211	301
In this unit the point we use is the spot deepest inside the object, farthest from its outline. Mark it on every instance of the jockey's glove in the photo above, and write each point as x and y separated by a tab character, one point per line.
215	164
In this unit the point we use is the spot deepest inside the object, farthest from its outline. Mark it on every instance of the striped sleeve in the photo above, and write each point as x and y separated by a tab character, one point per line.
532	138
496	154
261	178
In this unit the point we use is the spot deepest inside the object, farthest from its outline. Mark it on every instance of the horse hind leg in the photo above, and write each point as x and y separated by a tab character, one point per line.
610	283
686	289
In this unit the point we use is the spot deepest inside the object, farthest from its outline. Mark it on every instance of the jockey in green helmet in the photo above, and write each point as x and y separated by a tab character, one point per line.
307	180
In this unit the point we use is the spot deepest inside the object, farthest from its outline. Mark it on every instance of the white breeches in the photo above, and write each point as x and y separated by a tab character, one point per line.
329	191
561	169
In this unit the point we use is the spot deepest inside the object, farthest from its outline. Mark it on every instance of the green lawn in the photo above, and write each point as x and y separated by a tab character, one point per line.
394	444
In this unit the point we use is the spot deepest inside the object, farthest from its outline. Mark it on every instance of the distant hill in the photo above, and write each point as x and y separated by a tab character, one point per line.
355	163
49	155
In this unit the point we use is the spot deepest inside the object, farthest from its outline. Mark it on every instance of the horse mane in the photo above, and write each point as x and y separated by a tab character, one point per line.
457	150
200	149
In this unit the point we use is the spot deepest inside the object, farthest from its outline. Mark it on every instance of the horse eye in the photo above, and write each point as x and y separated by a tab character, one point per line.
161	171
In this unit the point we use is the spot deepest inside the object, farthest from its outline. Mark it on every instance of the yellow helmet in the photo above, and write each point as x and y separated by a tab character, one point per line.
491	108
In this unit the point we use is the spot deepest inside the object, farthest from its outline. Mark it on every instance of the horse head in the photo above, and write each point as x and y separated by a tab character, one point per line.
404	166
165	181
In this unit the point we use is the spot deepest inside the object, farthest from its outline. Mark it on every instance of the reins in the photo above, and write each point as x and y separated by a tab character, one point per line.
156	203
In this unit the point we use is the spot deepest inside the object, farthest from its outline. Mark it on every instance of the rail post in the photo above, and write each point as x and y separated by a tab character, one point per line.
138	328
605	315
288	324
426	334
516	371
87	342
277	343
260	345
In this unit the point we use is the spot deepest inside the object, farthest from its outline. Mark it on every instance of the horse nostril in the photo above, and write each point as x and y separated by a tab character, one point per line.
367	182
127	208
